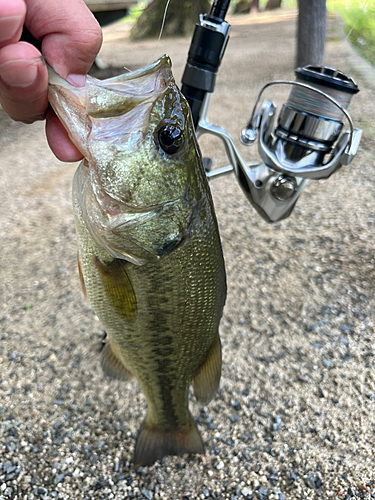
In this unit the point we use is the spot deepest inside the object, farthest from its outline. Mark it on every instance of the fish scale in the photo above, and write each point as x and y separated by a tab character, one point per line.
150	256
176	308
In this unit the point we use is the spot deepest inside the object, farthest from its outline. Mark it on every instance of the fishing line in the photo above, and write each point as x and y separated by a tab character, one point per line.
161	30
358	18
315	104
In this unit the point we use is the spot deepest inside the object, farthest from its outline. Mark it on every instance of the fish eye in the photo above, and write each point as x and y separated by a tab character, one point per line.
170	138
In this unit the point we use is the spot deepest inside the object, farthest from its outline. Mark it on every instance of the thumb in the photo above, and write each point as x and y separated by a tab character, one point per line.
70	35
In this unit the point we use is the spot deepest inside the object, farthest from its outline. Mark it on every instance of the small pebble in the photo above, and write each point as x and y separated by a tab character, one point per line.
58	478
310	481
262	493
235	404
276	426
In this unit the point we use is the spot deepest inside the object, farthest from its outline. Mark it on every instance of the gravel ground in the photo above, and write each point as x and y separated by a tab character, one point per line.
295	415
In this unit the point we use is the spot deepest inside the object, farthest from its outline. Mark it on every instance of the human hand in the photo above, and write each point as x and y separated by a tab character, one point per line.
71	38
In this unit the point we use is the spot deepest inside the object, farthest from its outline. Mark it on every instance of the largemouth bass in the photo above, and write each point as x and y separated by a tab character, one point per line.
149	250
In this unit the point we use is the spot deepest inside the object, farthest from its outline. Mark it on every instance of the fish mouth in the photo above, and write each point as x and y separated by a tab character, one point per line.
86	112
120	94
162	63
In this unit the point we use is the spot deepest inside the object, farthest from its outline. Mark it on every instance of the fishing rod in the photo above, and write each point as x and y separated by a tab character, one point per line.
206	51
306	141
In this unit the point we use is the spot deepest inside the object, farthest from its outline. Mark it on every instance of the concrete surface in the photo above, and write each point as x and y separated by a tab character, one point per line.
295	415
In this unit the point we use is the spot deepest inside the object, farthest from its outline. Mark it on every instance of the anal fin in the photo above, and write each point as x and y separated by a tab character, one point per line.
207	379
112	365
154	443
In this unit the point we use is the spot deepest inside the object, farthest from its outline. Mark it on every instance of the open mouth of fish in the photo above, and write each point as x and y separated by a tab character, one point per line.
115	110
101	118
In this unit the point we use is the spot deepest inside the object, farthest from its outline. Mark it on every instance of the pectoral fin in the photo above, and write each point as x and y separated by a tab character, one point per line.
206	381
81	277
112	365
118	287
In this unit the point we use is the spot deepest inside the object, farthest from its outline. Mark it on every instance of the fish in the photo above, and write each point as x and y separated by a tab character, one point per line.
149	251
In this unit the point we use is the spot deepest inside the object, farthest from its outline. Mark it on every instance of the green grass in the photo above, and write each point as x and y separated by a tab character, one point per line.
135	12
359	19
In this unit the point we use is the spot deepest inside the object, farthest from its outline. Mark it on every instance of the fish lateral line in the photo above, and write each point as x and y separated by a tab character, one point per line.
153	263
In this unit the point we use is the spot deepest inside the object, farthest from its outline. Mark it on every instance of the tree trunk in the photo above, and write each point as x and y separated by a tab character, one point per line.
182	15
311	32
254	6
273	4
246	6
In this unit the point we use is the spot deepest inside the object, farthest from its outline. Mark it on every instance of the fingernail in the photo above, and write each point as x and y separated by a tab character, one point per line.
77	80
9	27
20	73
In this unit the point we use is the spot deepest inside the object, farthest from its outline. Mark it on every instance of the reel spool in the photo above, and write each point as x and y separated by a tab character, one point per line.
309	122
307	142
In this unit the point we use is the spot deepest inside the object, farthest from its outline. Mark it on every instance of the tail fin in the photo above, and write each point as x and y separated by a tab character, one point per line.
154	443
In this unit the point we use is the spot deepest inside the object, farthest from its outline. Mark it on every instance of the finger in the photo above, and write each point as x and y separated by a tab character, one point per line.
23	82
59	141
71	36
12	15
71	39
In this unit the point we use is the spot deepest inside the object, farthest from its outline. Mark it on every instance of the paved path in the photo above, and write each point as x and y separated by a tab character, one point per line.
295	415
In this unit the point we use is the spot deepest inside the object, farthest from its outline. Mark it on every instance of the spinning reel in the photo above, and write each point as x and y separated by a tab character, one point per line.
306	141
